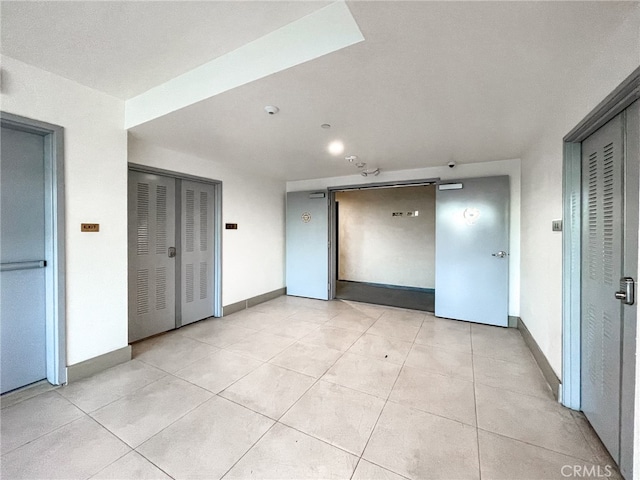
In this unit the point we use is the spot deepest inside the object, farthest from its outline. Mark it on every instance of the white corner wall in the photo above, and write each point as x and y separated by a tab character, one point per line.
253	255
378	247
469	170
95	156
541	270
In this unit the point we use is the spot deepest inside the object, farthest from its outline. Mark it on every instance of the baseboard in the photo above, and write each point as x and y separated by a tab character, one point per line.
98	364
513	322
253	301
548	373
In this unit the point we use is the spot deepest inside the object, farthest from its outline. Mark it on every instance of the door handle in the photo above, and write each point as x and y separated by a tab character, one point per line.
172	252
500	254
627	291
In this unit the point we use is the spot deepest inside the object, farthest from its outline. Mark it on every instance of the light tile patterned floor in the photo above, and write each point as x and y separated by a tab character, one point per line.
297	388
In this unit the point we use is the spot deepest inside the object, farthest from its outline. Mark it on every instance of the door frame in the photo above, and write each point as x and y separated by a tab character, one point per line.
615	103
333	220
55	306
217	228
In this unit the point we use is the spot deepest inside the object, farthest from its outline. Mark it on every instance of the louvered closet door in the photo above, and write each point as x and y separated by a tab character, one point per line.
602	254
152	271
196	251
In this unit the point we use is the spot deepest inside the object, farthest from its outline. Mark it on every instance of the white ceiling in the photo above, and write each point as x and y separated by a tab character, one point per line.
432	82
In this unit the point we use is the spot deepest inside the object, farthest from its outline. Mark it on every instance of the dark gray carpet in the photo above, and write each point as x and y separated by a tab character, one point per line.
392	296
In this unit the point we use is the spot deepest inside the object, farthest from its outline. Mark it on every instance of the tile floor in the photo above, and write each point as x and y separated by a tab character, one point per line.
296	389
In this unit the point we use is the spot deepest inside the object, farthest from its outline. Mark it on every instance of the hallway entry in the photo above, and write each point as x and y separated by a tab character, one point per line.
173	253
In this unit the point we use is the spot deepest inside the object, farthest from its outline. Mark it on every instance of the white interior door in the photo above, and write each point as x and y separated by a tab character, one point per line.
196	251
472	245
22	277
308	245
152	268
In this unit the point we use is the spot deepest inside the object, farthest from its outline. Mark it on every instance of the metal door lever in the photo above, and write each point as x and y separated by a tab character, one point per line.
500	254
627	291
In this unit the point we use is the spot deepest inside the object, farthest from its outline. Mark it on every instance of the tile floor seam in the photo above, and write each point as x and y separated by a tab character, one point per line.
475	404
318	379
382	410
17	390
479	382
152	462
107	466
395	402
245	406
161	430
58	427
250	448
228	386
547	449
119	398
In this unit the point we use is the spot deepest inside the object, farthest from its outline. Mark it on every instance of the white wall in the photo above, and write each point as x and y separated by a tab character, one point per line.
252	255
541	303
95	159
377	247
485	169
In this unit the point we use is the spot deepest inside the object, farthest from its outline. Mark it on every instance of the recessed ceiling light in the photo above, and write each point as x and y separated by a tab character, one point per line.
325	126
336	147
271	109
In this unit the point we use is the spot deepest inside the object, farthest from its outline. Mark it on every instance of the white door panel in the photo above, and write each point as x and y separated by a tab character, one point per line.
196	251
472	245
308	245
152	270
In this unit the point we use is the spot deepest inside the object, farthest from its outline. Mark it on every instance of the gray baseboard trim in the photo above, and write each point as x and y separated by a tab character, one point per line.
253	301
513	322
548	373
98	364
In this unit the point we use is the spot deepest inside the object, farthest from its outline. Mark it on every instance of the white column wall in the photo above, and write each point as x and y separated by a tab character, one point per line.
95	156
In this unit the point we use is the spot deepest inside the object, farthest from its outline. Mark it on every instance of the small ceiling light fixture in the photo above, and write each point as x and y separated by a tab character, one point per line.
366	173
271	109
351	158
326	126
336	147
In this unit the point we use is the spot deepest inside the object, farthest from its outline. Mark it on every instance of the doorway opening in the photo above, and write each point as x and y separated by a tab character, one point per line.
383	249
33	253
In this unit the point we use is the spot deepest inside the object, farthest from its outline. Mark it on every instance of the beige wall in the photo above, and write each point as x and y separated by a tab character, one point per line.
377	247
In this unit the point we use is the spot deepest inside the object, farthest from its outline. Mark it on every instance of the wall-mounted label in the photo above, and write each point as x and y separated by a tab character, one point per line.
231	226
89	227
397	214
556	225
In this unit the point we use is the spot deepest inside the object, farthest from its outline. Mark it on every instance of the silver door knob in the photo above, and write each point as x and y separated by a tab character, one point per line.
500	254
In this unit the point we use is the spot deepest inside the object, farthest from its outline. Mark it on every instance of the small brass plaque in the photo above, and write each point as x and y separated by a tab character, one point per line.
89	227
231	226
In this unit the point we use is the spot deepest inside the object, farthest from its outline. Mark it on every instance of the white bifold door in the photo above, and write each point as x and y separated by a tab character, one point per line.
171	253
472	250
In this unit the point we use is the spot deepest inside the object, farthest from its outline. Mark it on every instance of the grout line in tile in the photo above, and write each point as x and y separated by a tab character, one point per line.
383	407
249	449
475	405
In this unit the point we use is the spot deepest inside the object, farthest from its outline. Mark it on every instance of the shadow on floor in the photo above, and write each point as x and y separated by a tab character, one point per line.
392	296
